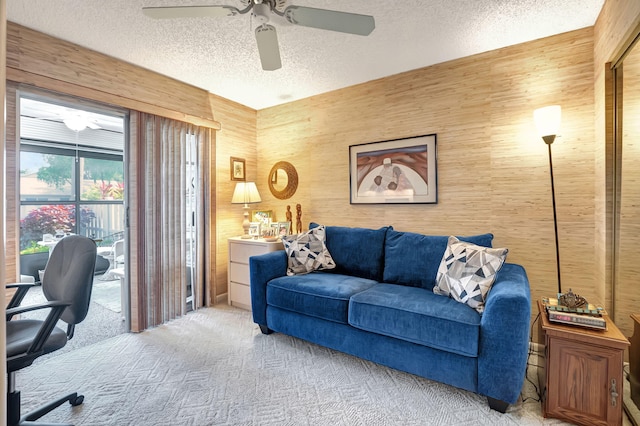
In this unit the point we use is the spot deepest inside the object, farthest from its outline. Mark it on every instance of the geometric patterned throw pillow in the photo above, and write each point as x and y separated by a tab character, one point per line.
467	272
307	252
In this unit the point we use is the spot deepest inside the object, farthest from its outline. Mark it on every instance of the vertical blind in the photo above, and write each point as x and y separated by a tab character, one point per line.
160	185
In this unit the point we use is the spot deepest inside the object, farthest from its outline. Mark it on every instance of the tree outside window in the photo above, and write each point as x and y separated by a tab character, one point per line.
56	185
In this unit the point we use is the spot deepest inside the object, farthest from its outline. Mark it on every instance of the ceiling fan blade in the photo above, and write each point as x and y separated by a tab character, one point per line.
268	47
189	11
332	20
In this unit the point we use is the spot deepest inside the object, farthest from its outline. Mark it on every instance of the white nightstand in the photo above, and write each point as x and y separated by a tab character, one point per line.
240	250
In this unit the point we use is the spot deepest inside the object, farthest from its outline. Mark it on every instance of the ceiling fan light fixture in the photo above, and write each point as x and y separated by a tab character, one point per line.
261	12
77	124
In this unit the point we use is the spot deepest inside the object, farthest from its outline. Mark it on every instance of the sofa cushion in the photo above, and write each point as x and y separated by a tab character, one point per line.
417	315
413	259
307	252
319	294
356	251
467	272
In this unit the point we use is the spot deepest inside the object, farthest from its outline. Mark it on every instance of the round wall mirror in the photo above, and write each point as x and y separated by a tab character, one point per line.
283	180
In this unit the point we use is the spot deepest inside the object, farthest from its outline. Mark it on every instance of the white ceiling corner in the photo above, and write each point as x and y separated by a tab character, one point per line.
220	54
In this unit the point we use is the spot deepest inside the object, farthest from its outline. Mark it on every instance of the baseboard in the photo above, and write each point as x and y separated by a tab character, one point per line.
536	348
223	298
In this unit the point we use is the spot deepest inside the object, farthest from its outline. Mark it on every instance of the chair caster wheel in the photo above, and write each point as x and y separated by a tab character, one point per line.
77	400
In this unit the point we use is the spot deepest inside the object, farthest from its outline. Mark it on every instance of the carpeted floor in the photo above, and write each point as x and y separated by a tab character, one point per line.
214	367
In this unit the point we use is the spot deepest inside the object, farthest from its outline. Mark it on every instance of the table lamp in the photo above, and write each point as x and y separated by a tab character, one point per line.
246	193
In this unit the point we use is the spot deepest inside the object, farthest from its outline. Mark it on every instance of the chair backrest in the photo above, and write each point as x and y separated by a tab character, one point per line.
68	276
118	252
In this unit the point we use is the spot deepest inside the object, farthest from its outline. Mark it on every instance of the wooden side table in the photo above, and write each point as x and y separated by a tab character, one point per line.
581	375
240	250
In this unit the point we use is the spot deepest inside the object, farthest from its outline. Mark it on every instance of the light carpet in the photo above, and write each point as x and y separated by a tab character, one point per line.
214	367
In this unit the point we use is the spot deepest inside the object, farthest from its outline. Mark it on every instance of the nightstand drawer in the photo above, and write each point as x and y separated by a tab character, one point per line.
242	252
240	295
239	272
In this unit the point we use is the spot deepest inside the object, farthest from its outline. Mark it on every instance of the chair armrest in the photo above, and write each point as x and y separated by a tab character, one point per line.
21	292
20	285
504	335
57	308
23	309
263	269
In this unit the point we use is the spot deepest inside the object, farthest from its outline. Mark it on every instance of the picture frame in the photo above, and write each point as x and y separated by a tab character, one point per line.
274	229
284	228
238	169
254	229
264	216
397	171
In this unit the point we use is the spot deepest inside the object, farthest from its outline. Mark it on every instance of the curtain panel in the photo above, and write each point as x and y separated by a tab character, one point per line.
162	184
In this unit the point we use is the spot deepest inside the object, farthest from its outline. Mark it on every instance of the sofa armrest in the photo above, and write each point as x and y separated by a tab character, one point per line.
263	269
504	335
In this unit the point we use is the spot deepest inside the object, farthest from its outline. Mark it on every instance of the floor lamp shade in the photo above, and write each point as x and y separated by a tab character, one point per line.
246	193
547	121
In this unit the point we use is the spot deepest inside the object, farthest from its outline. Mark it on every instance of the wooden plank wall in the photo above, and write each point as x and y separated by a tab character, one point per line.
236	138
493	171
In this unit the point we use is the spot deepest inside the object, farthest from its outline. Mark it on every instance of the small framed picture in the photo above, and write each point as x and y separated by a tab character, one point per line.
264	216
237	169
274	229
284	228
254	229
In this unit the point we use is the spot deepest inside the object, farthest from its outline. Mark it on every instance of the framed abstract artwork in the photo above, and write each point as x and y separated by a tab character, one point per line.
398	171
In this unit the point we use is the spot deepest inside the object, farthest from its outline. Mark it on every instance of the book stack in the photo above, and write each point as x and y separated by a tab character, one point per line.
589	316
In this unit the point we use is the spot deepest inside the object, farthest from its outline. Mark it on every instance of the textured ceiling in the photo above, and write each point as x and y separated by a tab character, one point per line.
220	54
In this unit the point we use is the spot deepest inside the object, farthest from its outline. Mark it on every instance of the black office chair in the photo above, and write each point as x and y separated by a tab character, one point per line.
66	283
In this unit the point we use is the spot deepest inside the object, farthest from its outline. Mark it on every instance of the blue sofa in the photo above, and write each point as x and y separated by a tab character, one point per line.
378	304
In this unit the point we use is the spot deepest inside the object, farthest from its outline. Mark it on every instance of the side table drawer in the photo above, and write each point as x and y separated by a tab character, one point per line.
240	295
239	272
242	252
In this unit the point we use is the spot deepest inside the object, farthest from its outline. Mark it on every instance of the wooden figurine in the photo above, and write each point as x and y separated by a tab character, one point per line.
290	220
298	218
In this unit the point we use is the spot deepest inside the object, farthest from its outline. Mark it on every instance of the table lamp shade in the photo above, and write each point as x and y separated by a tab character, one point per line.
246	193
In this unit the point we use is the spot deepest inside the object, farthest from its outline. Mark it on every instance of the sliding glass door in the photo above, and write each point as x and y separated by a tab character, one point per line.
71	180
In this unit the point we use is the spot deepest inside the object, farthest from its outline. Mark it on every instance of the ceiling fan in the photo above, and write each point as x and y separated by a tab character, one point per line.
75	119
266	37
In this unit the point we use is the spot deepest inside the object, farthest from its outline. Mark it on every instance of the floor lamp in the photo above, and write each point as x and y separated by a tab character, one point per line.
547	121
246	193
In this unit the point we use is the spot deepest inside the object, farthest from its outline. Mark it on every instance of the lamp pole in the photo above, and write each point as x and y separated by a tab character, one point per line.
548	123
549	140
